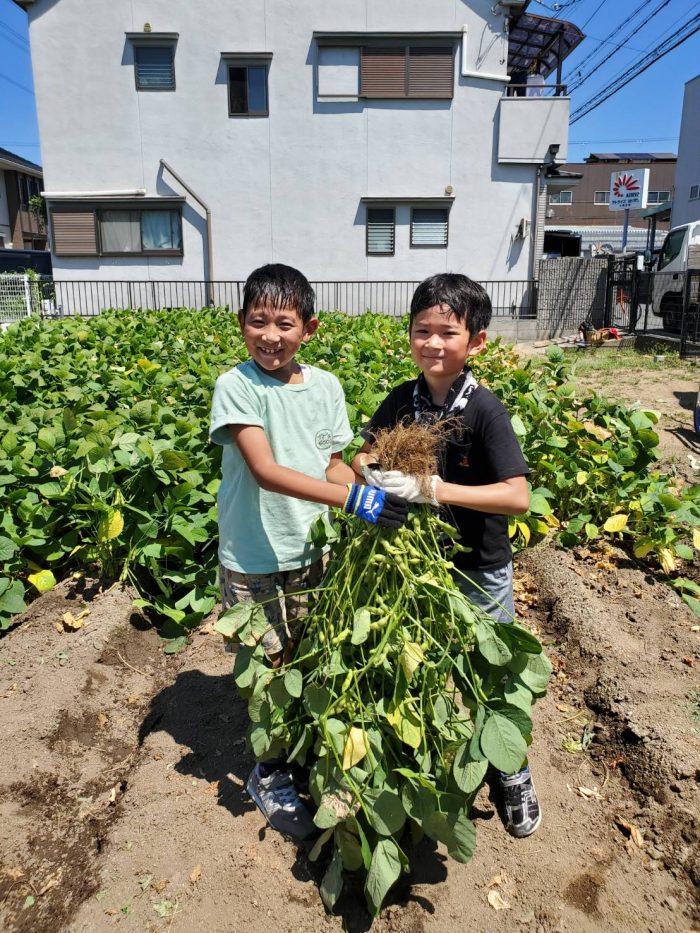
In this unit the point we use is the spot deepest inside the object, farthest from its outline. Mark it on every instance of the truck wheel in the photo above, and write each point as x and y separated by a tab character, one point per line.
671	313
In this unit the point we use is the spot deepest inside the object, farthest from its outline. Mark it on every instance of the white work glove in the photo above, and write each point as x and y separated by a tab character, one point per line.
401	484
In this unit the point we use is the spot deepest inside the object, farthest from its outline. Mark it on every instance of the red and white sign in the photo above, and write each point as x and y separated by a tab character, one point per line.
629	189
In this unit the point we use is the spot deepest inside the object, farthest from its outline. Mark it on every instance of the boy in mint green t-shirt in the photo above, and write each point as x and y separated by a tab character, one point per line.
283	427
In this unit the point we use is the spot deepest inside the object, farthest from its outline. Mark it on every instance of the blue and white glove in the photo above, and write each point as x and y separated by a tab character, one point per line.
375	506
401	484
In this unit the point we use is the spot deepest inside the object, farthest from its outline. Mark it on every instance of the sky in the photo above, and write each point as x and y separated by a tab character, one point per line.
643	116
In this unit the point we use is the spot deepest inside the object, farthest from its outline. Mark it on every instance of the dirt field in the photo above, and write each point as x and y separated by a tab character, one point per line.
121	768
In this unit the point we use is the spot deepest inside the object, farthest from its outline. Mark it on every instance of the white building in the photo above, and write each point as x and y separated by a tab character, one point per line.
356	140
686	199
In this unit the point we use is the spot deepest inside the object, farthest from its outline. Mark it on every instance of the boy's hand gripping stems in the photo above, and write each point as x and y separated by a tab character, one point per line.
375	506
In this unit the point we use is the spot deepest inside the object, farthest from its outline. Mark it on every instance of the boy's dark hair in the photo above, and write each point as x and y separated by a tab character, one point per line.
467	299
280	286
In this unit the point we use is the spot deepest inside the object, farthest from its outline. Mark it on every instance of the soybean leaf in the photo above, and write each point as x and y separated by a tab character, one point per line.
316	700
350	847
517	694
464	835
293	682
519	637
298	752
536	672
364	846
461	607
383	872
468	773
356	747
11	600
503	744
385	810
332	884
410	658
360	626
319	844
517	716
7	548
491	646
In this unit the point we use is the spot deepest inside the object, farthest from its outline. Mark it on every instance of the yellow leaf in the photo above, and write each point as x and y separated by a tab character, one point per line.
668	561
196	874
111	526
355	748
497	901
696	538
641	550
616	523
582	477
406	725
524	530
411	657
43	580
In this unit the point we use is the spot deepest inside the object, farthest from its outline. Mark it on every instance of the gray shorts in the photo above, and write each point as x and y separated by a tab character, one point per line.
285	604
492	590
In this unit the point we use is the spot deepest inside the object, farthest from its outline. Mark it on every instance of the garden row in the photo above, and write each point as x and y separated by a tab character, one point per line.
105	462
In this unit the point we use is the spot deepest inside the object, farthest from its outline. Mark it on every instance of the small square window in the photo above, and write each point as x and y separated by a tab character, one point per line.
247	90
601	197
381	231
694	192
155	67
429	226
560	197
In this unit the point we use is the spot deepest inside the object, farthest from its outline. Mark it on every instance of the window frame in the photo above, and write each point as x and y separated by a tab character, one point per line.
158	40
606	198
696	189
139	47
368	210
96	209
444	245
140	211
558	195
657	199
247	60
405	46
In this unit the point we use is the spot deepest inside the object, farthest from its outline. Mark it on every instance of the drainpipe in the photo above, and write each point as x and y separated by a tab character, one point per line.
210	266
536	223
467	72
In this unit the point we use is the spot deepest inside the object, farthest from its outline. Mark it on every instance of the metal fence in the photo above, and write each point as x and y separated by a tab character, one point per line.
18	297
515	299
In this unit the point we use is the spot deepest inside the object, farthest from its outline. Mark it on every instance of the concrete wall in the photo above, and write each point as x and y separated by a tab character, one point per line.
688	170
528	126
287	187
570	291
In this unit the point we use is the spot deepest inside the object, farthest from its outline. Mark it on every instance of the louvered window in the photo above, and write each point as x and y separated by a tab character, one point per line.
429	227
407	71
112	231
381	228
155	67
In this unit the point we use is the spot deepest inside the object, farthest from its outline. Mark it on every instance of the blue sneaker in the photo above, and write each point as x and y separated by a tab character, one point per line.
521	808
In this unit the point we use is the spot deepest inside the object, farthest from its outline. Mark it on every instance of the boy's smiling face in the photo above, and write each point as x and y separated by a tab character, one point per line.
441	344
273	336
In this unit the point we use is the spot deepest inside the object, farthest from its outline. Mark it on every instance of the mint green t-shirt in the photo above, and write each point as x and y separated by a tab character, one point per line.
260	531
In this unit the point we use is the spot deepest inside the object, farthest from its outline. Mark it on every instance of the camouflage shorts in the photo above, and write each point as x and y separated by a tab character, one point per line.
287	603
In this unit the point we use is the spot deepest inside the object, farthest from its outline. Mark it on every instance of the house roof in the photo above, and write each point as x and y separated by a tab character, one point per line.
632	157
10	160
540	39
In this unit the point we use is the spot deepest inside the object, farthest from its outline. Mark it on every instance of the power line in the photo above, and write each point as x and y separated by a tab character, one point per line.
629	139
583	78
592	14
17	35
16	84
16	44
663	48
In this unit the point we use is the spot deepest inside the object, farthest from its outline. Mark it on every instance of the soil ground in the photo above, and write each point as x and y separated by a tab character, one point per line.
121	768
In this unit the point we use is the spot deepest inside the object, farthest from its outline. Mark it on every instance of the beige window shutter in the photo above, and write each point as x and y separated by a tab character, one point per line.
74	233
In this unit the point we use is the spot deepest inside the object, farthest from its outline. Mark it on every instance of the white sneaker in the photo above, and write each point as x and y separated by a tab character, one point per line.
276	797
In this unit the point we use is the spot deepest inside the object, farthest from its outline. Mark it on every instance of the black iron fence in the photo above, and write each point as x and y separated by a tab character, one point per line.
516	299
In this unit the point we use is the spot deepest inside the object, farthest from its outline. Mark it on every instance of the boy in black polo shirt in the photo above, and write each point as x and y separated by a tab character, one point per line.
482	474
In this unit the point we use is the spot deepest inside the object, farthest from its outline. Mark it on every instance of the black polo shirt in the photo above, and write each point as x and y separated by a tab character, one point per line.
484	450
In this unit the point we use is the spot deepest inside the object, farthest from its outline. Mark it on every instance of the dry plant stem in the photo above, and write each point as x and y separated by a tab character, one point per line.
412	448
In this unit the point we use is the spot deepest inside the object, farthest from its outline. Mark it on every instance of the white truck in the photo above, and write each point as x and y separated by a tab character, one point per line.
679	253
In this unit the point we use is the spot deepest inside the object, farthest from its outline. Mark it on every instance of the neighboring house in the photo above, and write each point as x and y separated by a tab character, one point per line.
686	202
20	227
357	141
584	211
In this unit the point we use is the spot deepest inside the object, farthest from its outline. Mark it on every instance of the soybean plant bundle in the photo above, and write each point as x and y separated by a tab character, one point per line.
399	697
